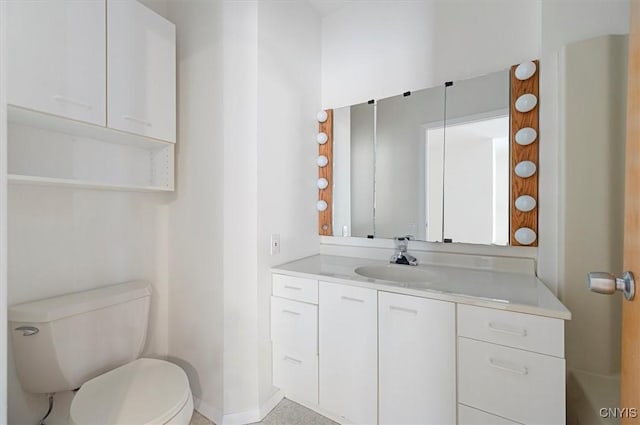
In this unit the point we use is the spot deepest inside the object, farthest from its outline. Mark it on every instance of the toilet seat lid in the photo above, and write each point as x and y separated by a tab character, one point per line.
143	392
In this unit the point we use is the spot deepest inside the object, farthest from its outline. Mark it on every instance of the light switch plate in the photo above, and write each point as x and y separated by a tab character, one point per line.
275	244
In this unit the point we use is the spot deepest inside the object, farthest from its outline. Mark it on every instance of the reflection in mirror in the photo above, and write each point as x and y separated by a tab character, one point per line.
433	164
476	160
353	170
406	171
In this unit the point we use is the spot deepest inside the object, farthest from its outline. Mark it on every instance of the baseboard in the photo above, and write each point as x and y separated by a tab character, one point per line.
208	411
240	418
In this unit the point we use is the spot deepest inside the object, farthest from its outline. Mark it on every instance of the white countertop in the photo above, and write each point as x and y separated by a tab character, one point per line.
500	290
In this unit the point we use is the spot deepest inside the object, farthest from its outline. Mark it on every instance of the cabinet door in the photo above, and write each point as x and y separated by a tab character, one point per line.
56	57
417	360
348	352
141	61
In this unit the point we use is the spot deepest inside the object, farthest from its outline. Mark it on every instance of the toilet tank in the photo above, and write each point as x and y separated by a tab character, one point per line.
59	343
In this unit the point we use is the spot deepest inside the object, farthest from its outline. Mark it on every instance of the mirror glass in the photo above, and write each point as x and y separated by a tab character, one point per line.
432	164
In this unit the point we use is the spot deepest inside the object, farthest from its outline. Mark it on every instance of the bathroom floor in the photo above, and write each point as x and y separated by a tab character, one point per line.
285	413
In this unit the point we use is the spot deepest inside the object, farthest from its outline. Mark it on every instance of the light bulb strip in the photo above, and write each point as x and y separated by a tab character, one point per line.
524	222
325	216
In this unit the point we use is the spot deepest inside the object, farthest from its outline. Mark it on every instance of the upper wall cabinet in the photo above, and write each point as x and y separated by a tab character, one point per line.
141	61
56	58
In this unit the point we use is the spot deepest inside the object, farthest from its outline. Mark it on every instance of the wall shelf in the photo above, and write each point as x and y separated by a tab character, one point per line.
48	150
48	181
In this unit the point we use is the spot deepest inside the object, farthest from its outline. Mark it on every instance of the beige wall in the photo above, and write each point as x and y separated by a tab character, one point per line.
593	107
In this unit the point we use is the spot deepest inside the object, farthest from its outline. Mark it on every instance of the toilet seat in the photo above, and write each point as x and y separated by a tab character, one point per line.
143	392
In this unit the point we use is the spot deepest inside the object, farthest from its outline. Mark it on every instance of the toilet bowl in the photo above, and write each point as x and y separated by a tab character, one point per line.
92	340
143	392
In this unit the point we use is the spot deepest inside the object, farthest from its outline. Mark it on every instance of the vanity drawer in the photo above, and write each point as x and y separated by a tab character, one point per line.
526	331
470	416
515	384
295	288
296	373
294	324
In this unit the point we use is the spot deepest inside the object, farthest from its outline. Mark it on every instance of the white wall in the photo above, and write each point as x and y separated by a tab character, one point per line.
196	248
373	49
563	22
3	223
249	88
66	240
288	100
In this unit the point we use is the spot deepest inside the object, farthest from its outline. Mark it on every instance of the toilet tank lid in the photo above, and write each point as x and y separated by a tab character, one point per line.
55	308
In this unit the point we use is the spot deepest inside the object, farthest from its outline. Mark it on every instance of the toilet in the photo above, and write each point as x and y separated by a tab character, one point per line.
91	341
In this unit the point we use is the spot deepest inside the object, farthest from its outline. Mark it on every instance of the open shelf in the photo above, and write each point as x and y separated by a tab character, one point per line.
47	150
48	181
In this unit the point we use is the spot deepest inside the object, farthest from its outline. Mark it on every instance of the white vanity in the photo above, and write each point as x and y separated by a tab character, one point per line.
468	347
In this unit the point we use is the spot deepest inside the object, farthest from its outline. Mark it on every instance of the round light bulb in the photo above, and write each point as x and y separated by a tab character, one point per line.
526	136
322	183
526	102
525	236
321	205
322	138
525	70
322	161
322	116
525	203
525	169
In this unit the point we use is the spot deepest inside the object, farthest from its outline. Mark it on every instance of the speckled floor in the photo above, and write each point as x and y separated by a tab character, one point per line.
285	413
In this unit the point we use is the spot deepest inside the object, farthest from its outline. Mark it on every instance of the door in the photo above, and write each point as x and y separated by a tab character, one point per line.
348	337
141	61
417	362
56	57
630	379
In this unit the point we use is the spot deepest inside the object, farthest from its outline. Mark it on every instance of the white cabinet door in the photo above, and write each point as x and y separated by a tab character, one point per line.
417	343
56	57
348	352
141	60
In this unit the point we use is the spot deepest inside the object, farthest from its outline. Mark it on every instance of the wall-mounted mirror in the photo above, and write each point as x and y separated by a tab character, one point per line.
433	164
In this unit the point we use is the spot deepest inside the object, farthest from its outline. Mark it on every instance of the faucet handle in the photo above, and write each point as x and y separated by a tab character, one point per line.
401	242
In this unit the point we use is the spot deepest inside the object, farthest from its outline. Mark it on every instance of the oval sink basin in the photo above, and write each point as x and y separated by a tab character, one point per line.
397	273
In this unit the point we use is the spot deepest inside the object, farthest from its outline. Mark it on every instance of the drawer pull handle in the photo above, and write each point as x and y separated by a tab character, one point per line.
295	313
404	309
79	104
358	300
296	288
500	329
136	120
292	360
521	370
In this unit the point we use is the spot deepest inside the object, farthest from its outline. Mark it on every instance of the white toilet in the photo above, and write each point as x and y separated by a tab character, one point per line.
91	340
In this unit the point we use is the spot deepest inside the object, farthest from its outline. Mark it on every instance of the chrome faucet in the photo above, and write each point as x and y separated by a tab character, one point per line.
401	256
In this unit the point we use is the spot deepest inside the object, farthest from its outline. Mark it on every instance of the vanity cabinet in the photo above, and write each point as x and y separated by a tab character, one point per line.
294	334
348	342
141	62
521	356
417	368
56	60
367	355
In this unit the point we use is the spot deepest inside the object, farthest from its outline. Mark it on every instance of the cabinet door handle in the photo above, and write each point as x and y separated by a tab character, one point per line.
497	364
358	300
295	288
504	330
73	102
292	360
404	309
295	313
136	120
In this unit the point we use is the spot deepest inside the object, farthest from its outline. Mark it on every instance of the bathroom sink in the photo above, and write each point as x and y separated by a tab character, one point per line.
397	273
